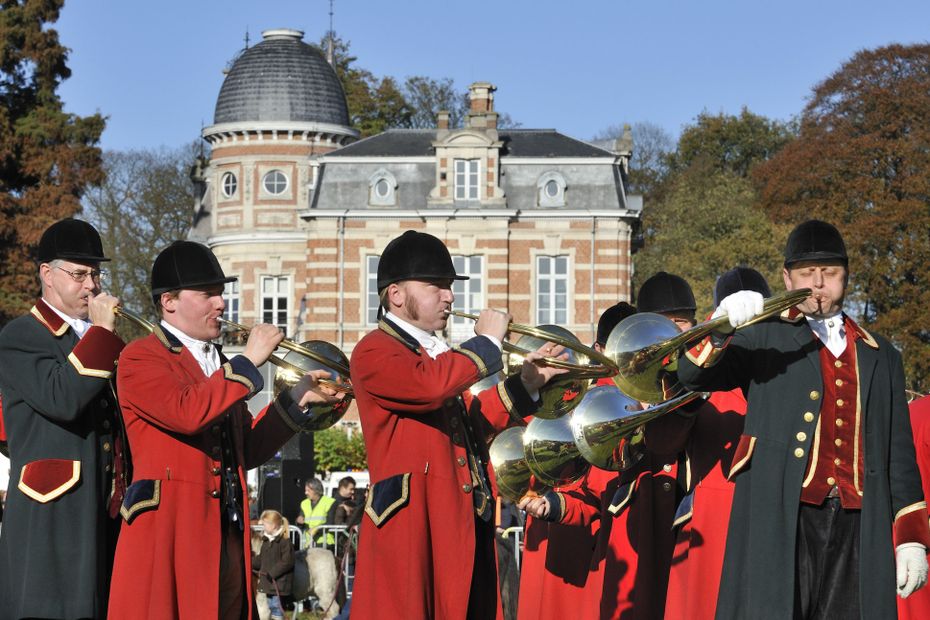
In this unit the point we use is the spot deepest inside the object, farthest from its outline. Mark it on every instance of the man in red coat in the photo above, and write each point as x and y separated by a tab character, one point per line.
426	547
632	556
184	548
917	605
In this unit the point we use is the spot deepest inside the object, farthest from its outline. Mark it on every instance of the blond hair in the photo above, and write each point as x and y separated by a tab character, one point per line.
277	518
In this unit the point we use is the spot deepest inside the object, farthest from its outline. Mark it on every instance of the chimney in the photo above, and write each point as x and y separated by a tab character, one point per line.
442	119
481	114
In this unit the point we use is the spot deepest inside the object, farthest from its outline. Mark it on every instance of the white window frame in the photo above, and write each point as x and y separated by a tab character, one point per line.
469	295
466	179
543	199
275	298
548	310
287	183
226	180
374	198
371	289
232	301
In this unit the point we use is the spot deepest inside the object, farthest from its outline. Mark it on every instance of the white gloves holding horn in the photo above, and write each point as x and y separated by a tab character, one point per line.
740	307
911	564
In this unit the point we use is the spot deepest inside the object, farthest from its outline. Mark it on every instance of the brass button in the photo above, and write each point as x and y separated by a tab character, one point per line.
106	425
214	494
839	422
839	402
457	438
454	422
104	403
215	451
106	446
667	468
815	394
215	471
667	486
106	468
839	383
838	364
802	436
466	488
215	429
460	461
798	452
838	442
450	402
837	461
831	481
808	417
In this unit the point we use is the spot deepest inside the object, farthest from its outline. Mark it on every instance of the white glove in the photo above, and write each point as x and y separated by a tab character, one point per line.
911	561
740	307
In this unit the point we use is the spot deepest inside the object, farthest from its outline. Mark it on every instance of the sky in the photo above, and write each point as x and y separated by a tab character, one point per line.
155	68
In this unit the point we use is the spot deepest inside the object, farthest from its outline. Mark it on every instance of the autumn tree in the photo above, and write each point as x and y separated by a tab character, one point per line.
47	156
862	162
704	219
144	203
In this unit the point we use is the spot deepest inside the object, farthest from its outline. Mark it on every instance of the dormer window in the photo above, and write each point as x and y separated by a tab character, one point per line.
466	179
382	189
550	190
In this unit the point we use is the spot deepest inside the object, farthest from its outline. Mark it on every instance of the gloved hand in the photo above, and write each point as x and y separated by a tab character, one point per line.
740	308
911	561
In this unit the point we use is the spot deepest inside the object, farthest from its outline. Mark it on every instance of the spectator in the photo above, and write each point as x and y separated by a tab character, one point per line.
274	564
313	513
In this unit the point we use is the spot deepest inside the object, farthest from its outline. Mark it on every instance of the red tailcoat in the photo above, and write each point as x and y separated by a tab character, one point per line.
702	535
168	555
917	605
417	545
556	581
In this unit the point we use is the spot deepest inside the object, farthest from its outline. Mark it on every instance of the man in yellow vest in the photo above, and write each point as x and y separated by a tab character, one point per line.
313	511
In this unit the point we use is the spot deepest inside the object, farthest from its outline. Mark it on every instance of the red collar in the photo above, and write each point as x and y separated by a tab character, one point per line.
44	314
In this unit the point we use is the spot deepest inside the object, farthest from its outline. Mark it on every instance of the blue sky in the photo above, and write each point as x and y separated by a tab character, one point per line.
155	68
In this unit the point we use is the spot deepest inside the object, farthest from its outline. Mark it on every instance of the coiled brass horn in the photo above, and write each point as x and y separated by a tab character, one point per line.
511	471
645	348
605	426
551	453
322	415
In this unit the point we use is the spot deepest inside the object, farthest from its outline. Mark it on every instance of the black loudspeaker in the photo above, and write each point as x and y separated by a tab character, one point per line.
282	485
299	447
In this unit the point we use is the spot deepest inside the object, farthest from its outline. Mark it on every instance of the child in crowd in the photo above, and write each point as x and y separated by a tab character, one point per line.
274	563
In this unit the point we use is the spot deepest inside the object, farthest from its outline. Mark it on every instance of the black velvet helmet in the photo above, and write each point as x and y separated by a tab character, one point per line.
665	292
815	240
610	318
740	279
186	264
415	256
73	240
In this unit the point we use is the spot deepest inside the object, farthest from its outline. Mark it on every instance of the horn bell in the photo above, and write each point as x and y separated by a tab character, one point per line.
511	472
551	454
322	415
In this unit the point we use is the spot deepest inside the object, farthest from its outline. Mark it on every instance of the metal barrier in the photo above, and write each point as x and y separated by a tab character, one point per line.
517	533
342	538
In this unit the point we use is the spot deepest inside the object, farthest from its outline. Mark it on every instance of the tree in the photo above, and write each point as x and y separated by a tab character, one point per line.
652	146
727	142
144	203
334	450
705	225
861	161
47	156
427	97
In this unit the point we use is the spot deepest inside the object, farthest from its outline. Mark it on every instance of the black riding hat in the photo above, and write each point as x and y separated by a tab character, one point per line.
73	240
610	318
815	240
665	292
186	264
740	279
415	256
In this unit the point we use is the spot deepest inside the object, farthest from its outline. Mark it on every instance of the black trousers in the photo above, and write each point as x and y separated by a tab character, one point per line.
827	562
482	596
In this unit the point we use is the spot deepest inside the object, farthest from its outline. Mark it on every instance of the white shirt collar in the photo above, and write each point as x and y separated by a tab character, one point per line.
432	344
80	326
203	351
831	331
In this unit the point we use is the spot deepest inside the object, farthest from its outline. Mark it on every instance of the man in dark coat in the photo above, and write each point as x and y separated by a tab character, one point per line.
59	534
828	515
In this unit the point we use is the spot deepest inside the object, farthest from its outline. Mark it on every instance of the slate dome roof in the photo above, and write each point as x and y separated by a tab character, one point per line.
281	79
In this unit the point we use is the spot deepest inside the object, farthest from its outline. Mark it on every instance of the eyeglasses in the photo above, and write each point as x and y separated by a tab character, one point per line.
80	276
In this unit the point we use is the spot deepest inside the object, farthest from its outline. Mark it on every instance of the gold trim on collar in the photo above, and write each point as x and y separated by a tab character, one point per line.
159	333
786	315
55	332
393	333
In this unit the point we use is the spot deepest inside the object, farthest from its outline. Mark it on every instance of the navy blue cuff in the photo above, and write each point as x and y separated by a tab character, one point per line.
292	414
241	369
556	506
486	355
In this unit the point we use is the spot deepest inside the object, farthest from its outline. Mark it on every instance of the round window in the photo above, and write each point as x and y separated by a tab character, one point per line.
552	189
275	182
382	188
229	184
